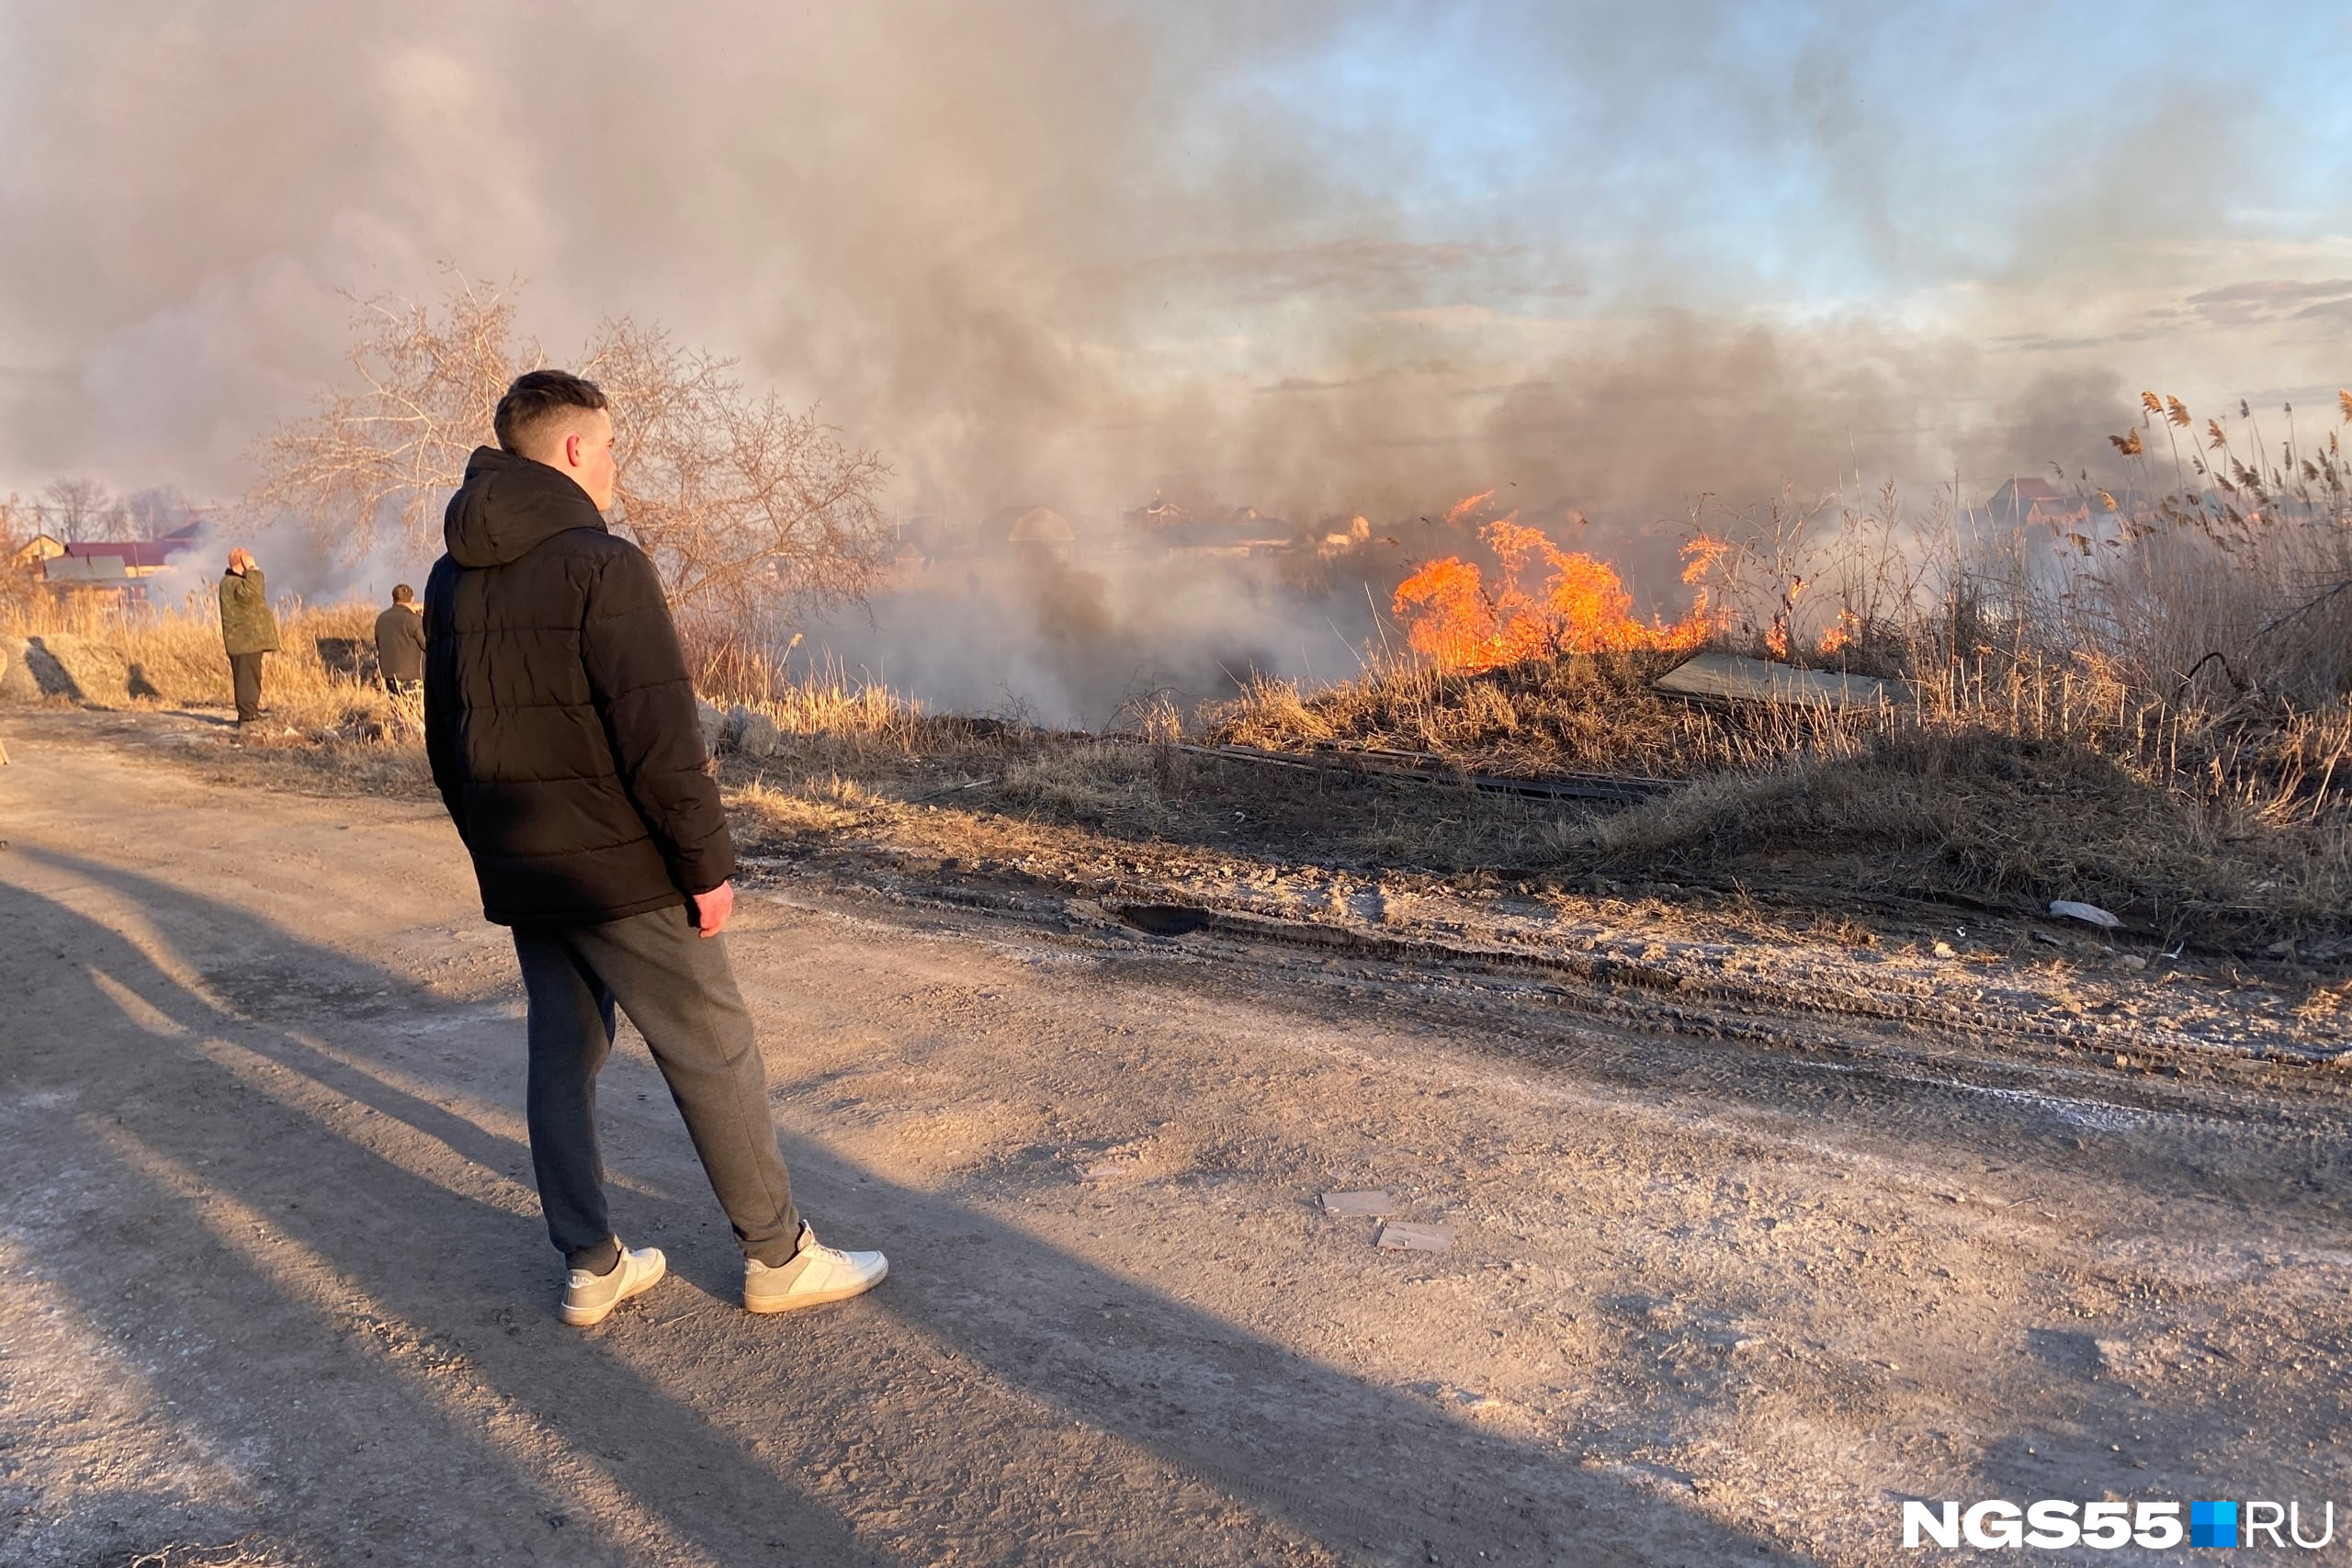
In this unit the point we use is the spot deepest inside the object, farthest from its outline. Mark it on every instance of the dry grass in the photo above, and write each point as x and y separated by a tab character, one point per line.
173	658
831	720
2154	720
1093	781
2020	787
1584	713
1992	816
823	805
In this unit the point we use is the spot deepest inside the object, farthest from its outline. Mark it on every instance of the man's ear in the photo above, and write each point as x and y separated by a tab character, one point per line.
571	451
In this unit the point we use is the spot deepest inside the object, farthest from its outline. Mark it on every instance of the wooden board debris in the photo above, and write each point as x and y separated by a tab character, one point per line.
1372	1204
1404	1236
1725	678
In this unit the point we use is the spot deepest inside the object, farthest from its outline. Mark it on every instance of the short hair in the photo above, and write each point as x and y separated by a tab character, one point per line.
538	396
402	593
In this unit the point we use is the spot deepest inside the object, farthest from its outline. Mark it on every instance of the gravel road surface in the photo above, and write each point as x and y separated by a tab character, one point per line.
275	1276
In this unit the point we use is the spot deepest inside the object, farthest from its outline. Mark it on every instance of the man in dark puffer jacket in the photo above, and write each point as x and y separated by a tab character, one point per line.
560	724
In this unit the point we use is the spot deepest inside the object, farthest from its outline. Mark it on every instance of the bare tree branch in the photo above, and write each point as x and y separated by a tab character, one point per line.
741	504
384	458
80	509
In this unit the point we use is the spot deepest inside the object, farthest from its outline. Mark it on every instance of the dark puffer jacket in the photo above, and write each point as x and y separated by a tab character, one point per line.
559	717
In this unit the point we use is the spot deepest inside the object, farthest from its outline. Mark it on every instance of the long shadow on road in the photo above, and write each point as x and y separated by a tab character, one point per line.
764	1443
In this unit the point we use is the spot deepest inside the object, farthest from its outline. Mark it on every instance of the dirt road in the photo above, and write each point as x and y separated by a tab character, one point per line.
274	1270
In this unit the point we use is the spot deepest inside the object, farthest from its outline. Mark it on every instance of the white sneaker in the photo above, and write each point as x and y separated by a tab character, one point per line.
591	1298
816	1275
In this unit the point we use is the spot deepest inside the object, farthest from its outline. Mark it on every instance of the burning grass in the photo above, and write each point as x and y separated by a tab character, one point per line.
2051	733
1581	712
2129	698
2142	710
1461	625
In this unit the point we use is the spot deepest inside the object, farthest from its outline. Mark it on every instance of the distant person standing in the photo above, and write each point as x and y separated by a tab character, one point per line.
400	645
559	722
248	630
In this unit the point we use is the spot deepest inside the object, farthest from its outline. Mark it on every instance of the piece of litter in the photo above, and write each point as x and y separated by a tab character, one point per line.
2089	913
1403	1235
1097	1172
1371	1205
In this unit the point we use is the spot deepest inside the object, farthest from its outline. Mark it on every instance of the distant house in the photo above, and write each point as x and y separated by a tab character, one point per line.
1243	532
2058	514
908	563
1161	514
2028	502
1167	528
30	554
138	557
116	565
1042	533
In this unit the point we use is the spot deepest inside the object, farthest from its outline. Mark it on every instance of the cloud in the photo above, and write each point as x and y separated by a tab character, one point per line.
2266	300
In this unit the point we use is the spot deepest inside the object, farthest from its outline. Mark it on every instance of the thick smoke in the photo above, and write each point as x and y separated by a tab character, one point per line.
1316	259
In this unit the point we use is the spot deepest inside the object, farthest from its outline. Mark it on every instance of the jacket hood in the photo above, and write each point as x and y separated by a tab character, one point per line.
509	506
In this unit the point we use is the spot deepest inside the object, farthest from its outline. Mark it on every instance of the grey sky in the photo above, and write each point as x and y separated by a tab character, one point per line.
1310	256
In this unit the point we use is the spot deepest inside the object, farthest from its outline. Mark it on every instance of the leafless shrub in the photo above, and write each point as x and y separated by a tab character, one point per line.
741	504
382	458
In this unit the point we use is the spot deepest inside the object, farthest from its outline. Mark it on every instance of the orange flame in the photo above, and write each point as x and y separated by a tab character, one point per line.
1455	622
1843	635
1469	503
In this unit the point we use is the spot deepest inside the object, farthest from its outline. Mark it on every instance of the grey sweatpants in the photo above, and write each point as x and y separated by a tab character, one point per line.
677	988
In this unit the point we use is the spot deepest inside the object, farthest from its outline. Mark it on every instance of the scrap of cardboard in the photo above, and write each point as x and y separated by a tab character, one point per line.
1399	1234
1372	1204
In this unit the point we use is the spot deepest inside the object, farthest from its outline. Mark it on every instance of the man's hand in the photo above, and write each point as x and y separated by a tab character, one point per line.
710	911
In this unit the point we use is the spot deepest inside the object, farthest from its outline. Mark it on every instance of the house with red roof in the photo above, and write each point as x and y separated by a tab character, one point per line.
118	566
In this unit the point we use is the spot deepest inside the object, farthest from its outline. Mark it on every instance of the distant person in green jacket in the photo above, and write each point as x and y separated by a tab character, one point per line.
247	630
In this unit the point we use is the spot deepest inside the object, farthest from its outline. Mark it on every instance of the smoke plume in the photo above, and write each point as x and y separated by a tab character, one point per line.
1319	259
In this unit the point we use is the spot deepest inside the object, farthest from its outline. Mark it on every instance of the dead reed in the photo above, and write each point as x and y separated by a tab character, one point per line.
172	657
